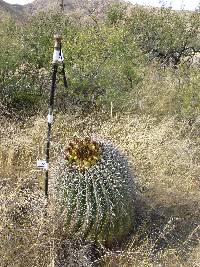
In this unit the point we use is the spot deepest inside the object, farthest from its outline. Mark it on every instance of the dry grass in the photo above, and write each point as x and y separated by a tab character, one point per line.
164	153
165	157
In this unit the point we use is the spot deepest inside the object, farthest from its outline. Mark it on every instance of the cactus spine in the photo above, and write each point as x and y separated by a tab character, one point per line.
96	191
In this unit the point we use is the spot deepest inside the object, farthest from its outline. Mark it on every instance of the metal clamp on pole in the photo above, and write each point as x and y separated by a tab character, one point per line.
58	54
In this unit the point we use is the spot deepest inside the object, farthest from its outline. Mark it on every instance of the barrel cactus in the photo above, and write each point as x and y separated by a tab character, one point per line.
95	189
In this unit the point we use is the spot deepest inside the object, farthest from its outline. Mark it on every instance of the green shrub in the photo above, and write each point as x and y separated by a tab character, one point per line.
164	34
187	96
103	62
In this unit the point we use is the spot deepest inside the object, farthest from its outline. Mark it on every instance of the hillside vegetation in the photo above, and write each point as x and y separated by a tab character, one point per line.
84	6
133	79
7	10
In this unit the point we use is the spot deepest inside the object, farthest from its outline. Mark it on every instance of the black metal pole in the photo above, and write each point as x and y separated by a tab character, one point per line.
62	5
57	57
50	120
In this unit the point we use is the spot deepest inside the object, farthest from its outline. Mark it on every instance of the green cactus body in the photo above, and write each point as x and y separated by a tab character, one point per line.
97	196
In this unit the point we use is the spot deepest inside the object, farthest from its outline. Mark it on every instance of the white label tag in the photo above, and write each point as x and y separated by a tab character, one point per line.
41	164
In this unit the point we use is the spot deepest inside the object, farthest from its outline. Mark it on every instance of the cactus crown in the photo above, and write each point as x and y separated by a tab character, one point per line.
82	153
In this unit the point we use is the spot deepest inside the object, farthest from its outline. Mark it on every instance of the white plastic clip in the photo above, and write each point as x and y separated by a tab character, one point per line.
58	56
50	118
47	166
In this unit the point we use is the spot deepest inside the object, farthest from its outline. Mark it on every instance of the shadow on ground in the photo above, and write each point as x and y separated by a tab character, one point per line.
172	226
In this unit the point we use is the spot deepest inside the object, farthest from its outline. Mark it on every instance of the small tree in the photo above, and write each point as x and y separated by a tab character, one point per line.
166	35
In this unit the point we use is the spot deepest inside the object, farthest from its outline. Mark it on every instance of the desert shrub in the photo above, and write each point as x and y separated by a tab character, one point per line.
164	34
25	70
25	89
187	96
102	62
116	13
